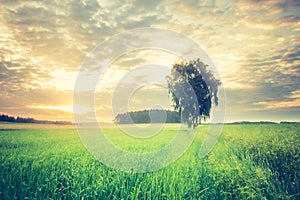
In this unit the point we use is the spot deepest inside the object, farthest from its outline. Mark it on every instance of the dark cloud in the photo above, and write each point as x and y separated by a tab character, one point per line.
288	4
272	7
290	18
273	78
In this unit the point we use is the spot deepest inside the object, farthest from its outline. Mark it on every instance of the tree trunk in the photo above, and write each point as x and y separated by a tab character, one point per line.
189	124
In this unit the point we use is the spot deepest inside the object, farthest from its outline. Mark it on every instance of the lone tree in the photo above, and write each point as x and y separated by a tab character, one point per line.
193	90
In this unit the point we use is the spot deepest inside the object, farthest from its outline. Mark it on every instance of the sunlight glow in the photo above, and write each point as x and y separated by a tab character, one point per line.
65	108
62	80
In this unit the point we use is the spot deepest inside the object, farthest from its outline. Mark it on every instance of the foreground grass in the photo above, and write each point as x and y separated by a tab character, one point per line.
248	162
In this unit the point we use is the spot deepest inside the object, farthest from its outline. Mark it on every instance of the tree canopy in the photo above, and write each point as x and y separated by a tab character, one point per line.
193	90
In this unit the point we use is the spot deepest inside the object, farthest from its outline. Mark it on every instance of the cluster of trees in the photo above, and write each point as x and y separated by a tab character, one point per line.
6	118
145	116
193	90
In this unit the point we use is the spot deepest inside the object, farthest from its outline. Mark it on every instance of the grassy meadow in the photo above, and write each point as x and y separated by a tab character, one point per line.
248	162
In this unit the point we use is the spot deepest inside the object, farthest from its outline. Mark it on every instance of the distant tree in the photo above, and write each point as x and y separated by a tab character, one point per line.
193	75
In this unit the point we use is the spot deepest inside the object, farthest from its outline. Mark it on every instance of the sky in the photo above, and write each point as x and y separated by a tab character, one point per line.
254	45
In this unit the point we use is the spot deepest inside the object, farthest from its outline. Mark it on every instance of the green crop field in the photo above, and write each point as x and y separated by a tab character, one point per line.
248	162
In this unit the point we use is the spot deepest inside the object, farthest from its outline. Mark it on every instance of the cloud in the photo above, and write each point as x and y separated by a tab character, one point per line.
64	33
258	24
266	7
255	45
273	81
148	4
291	22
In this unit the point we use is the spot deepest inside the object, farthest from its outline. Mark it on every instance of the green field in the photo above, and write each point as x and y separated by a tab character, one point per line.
248	162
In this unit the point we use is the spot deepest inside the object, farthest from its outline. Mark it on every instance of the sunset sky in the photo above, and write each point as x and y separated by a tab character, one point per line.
254	44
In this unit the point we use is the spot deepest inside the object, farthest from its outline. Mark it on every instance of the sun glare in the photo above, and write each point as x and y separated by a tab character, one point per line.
62	80
65	108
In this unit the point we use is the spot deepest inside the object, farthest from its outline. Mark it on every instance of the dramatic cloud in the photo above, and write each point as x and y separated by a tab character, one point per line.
253	43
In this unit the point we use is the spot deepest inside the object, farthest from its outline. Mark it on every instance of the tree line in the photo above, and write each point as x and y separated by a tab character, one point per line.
148	116
6	118
249	122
